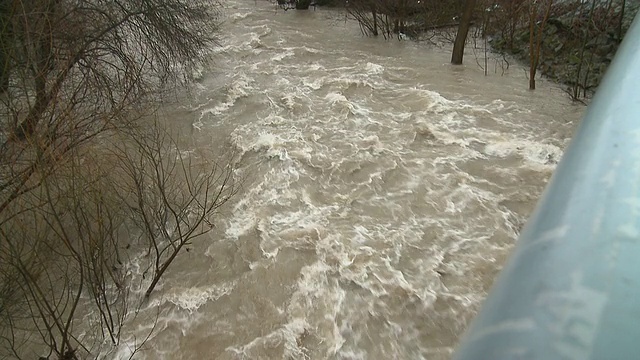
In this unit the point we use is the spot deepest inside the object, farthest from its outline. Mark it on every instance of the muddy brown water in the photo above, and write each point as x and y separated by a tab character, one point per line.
384	189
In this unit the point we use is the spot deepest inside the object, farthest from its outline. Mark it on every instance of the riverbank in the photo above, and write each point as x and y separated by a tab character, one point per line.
577	39
578	43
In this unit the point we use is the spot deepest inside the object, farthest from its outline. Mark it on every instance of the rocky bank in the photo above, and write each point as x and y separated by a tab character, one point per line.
577	46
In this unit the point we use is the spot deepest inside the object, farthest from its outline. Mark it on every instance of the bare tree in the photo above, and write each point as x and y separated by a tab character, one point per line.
539	11
173	197
408	17
75	74
506	17
386	17
65	260
619	31
368	14
78	68
592	32
56	252
463	30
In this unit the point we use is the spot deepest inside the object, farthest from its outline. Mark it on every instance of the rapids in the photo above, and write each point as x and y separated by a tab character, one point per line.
383	190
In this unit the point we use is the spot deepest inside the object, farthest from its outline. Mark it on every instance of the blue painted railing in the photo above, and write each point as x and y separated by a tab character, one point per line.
571	288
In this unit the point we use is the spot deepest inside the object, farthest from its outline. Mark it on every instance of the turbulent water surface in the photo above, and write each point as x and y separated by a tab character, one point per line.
383	191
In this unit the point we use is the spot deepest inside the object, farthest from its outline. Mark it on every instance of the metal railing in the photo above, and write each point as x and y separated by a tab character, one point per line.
571	288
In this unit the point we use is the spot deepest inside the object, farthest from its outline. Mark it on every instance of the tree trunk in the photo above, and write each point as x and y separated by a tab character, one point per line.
583	46
536	33
375	20
463	30
533	11
5	68
41	69
621	20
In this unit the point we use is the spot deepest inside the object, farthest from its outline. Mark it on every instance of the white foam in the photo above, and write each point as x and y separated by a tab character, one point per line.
318	296
287	335
334	97
283	55
437	102
243	222
533	152
192	298
314	84
239	87
238	16
381	222
374	69
311	50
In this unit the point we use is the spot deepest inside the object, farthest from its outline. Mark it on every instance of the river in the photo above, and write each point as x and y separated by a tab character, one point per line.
383	190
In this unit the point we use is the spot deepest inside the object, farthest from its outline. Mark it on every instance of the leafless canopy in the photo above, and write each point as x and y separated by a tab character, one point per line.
77	77
388	17
75	68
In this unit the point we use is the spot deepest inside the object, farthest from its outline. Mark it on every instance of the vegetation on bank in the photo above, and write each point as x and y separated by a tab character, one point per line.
579	41
89	178
570	41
